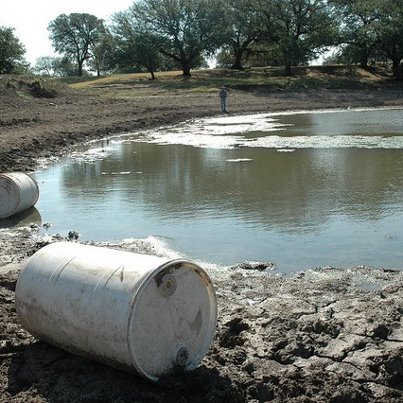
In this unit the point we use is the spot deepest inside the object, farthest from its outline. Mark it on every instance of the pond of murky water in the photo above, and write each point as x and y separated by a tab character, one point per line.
301	190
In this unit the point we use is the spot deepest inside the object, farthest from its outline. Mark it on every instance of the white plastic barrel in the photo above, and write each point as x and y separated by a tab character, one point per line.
18	192
141	313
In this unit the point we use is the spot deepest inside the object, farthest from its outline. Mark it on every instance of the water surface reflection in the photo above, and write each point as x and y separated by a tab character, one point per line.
305	208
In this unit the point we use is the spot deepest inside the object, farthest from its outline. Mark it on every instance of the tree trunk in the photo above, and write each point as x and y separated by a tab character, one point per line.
397	70
151	71
186	71
364	59
364	63
238	61
80	68
288	68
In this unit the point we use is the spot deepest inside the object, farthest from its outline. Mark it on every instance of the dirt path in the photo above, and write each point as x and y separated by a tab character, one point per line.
331	335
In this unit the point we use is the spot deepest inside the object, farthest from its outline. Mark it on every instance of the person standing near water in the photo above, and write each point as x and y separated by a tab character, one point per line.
223	96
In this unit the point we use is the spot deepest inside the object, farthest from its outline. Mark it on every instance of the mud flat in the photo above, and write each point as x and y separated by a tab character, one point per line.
325	335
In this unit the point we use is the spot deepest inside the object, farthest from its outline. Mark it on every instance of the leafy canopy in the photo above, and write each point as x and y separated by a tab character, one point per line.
74	35
11	52
185	29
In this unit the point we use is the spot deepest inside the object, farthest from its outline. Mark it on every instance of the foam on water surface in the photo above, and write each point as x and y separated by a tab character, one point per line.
267	131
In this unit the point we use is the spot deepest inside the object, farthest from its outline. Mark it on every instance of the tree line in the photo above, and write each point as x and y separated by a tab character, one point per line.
156	35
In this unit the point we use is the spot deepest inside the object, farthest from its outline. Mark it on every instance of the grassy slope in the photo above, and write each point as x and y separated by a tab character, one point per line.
258	81
255	80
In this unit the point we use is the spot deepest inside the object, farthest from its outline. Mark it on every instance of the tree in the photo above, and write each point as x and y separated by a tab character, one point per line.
389	31
45	66
185	28
74	35
243	29
145	53
54	66
102	52
224	58
359	20
302	28
11	52
135	49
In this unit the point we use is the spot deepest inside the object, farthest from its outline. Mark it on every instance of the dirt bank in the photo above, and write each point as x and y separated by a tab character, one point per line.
329	335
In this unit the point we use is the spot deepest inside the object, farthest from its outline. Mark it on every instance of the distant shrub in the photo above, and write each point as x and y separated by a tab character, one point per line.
11	84
41	89
35	87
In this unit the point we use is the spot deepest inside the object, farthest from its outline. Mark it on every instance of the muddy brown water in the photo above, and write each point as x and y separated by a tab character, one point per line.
302	190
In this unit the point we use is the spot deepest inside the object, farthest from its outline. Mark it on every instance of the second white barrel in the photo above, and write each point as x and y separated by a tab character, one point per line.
18	192
141	313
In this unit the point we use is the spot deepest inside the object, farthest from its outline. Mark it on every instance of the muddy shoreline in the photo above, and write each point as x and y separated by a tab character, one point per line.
325	335
43	127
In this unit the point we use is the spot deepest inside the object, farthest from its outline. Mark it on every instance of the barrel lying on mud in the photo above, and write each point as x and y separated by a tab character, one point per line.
18	192
142	313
